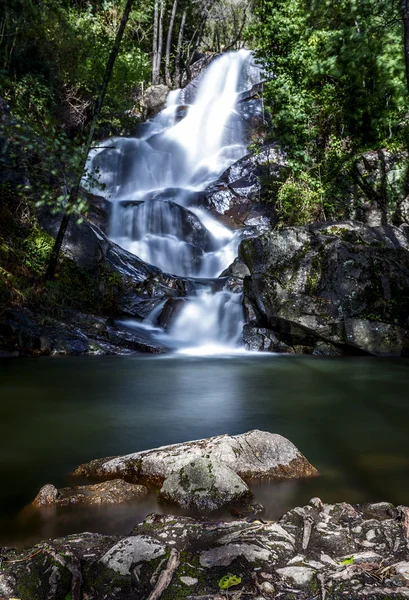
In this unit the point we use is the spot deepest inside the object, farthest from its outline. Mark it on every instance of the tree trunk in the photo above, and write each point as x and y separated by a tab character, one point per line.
168	78
52	265
179	50
155	70
160	41
405	19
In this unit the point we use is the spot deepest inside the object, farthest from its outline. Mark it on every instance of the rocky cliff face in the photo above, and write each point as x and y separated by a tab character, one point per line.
344	285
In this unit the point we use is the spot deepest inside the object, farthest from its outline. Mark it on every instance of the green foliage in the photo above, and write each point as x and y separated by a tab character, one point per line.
53	56
37	246
337	68
347	561
229	581
337	88
300	200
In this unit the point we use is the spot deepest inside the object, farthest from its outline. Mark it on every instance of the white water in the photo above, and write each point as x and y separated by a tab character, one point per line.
152	181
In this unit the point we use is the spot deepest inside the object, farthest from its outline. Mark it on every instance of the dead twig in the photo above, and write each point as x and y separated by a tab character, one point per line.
25	558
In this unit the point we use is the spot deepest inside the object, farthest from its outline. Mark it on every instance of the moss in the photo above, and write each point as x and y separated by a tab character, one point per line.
33	581
98	577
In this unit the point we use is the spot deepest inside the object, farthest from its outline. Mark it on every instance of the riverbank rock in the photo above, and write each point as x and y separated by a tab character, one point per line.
252	455
108	492
345	284
316	551
204	485
25	333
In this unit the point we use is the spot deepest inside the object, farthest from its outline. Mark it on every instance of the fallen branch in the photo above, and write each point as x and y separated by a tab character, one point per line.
166	576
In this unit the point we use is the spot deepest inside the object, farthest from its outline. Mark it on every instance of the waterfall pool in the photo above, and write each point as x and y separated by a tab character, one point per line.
348	416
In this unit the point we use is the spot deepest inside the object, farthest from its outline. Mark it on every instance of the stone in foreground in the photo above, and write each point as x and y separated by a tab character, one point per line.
204	485
252	455
319	551
108	492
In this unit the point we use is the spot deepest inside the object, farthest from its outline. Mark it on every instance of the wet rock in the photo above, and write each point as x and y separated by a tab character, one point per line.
108	492
204	485
256	454
170	311
260	339
235	274
30	334
344	284
236	194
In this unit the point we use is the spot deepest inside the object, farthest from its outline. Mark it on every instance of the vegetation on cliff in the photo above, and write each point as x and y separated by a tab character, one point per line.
337	89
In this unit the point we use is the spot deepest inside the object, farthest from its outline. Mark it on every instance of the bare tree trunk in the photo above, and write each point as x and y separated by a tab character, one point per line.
405	19
179	50
52	265
160	41
168	78
155	70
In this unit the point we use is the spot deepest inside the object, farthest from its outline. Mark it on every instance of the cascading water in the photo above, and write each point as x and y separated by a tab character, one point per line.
153	180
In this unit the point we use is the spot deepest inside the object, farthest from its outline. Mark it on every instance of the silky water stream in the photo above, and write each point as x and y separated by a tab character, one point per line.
153	181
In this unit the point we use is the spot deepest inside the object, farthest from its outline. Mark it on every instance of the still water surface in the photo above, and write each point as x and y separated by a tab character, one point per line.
348	416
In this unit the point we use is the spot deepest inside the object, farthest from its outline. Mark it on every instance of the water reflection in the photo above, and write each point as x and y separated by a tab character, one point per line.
347	416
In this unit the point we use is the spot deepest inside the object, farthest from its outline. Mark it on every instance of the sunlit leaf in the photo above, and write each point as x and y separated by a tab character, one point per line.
229	581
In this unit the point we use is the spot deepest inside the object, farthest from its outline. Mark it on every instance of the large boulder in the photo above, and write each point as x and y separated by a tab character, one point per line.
345	283
204	485
252	455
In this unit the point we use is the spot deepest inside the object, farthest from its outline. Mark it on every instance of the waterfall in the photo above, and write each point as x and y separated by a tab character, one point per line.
153	180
